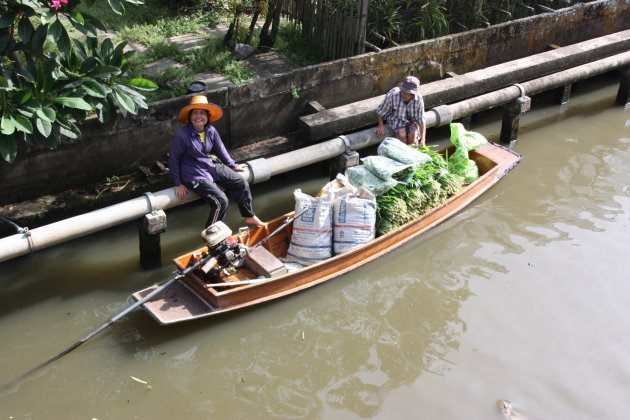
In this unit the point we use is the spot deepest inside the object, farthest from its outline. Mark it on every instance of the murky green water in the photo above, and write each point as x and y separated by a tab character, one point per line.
522	296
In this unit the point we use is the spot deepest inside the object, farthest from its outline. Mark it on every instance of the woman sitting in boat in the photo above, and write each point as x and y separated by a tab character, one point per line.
199	161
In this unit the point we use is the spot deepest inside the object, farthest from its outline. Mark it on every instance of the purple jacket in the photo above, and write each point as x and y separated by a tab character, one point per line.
189	159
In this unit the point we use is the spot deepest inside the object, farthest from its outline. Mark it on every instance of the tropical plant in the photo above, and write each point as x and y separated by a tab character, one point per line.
46	91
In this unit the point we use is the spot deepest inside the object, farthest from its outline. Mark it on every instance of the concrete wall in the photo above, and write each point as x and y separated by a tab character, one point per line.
265	108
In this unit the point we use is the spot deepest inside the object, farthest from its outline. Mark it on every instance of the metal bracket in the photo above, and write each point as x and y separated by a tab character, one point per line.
29	238
150	197
521	88
346	141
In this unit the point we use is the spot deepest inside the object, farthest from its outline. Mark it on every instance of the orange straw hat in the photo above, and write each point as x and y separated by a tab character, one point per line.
200	102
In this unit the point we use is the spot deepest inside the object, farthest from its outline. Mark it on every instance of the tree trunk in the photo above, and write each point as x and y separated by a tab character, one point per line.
229	41
252	25
267	37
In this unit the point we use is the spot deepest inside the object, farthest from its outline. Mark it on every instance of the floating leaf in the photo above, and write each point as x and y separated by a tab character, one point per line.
139	380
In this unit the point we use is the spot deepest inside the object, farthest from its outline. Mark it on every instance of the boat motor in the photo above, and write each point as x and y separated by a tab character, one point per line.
226	252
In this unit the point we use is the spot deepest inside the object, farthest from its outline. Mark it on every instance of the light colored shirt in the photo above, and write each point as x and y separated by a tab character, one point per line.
398	114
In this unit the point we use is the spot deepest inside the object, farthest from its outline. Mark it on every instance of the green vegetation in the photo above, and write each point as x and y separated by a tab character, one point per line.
403	21
50	82
431	185
152	24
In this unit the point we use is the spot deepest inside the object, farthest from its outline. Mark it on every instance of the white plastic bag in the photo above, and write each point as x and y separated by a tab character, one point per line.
359	176
395	149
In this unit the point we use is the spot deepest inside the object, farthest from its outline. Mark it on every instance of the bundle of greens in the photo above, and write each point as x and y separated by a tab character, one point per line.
430	186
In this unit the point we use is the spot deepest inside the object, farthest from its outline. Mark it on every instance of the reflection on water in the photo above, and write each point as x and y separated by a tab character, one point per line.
397	327
520	297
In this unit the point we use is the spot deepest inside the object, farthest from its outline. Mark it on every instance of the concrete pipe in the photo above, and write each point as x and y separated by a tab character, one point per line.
84	224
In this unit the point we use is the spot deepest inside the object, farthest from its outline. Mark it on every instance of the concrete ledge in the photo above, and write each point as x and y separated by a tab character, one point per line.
345	118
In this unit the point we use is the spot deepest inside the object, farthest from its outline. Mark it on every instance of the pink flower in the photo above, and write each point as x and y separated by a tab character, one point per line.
56	4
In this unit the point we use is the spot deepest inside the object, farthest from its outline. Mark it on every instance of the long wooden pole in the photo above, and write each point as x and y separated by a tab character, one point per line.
113	319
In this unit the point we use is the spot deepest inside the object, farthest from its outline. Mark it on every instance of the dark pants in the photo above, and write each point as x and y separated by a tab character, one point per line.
235	187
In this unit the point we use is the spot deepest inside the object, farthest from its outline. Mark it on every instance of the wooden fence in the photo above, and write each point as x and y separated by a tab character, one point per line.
338	26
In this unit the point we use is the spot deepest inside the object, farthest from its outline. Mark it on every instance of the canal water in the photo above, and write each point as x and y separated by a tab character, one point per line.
523	296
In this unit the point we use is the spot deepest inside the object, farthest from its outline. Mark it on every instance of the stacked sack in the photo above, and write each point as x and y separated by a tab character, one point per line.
338	219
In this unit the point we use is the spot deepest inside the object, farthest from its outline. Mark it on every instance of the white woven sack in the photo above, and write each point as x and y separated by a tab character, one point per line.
354	220
311	240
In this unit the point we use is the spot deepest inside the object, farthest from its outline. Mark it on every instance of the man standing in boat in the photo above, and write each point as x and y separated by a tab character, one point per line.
199	161
403	111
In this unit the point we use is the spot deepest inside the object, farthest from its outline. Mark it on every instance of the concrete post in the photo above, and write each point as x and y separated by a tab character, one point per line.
623	93
466	121
564	94
511	118
149	229
339	164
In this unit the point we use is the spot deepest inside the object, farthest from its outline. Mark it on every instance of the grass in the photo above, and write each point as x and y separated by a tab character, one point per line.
152	23
291	44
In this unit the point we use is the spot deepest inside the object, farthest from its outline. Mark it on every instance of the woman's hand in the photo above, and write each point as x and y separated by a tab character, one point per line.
180	191
240	167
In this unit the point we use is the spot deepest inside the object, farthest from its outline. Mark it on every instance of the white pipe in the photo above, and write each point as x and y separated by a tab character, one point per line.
260	170
84	224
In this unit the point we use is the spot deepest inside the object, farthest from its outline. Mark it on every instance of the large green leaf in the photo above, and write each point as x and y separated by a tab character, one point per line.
23	96
137	97
22	124
46	17
77	17
55	29
43	126
142	84
95	89
7	18
37	41
117	57
80	49
8	148
103	71
68	129
64	44
78	103
25	74
25	30
125	101
116	6
47	114
7	127
94	23
107	47
5	41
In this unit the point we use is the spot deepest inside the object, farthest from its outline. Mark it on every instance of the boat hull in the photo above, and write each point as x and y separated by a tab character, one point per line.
191	299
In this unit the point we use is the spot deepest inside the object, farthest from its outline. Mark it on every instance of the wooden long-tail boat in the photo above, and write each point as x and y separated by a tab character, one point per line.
194	297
